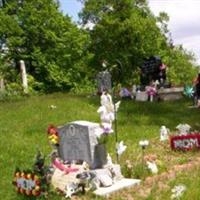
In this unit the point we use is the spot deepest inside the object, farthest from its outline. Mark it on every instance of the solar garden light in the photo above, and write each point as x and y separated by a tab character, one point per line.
143	144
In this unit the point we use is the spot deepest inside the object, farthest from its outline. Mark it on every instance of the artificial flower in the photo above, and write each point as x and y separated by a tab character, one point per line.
144	143
178	191
120	148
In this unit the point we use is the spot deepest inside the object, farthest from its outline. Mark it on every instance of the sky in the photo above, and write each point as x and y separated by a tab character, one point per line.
184	23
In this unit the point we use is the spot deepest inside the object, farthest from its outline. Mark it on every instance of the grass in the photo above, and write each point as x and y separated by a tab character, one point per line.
23	125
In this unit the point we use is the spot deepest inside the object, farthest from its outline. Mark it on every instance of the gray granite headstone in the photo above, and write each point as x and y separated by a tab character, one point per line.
104	81
78	142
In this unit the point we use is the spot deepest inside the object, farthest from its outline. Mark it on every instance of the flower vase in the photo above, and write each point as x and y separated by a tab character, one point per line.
100	156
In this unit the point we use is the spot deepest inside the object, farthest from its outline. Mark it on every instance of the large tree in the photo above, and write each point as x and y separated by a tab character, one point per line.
126	32
54	49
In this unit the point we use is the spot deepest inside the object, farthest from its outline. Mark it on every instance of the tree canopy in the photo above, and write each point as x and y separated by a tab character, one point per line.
127	31
61	55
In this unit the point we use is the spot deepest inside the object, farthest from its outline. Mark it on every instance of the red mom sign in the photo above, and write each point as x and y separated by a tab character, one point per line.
185	142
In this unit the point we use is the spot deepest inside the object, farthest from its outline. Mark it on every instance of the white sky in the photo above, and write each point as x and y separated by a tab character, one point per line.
184	21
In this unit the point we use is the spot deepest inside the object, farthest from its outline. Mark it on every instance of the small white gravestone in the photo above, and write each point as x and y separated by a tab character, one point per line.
141	96
164	133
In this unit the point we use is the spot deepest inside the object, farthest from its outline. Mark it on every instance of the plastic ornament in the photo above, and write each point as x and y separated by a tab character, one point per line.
188	91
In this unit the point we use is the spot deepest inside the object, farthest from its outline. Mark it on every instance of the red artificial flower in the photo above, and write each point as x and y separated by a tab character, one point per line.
52	130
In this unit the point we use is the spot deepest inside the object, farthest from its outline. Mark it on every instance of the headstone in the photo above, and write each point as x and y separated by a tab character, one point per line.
104	82
170	94
2	86
151	71
24	76
78	142
141	96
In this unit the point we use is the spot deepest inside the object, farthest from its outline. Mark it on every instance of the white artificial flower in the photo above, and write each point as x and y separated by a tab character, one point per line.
52	106
177	191
120	148
144	143
117	105
153	167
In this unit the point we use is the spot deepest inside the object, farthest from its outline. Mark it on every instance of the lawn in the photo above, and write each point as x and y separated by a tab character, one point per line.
24	123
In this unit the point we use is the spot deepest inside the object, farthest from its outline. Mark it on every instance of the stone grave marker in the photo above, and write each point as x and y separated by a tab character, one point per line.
78	142
104	81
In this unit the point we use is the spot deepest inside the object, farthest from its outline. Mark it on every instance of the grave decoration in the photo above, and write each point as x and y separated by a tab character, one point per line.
120	148
53	135
152	167
151	91
32	182
185	142
188	91
125	93
183	129
185	139
80	160
27	183
177	191
164	133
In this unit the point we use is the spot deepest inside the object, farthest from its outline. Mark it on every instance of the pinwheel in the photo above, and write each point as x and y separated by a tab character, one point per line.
188	91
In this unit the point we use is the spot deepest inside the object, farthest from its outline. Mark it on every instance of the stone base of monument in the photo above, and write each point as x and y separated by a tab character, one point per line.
170	94
121	184
141	96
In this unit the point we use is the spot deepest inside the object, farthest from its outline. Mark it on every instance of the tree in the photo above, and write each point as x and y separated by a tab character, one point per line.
53	48
124	30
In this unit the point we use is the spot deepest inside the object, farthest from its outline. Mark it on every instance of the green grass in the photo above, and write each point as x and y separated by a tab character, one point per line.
23	126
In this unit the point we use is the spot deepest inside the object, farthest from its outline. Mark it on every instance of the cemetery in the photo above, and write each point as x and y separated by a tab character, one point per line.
76	153
86	156
103	107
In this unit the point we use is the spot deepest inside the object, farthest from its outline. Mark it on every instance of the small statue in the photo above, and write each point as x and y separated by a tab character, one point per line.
107	110
164	133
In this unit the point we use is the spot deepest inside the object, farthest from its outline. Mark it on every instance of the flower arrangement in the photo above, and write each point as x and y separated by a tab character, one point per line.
28	184
178	191
151	91
32	182
103	137
53	134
